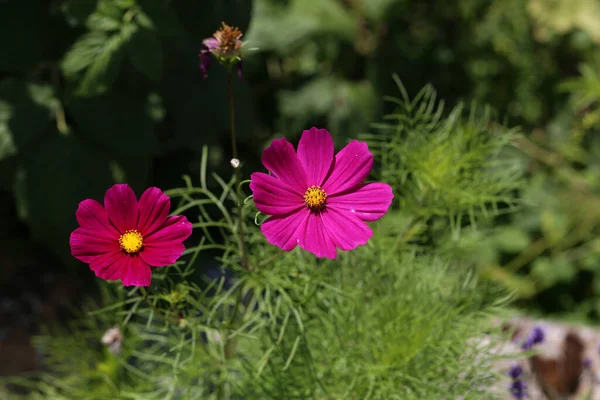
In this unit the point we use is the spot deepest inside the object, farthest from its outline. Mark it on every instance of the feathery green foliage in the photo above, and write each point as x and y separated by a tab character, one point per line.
386	321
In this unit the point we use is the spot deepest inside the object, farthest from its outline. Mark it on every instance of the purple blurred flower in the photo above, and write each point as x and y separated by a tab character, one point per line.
535	337
518	389
587	362
515	371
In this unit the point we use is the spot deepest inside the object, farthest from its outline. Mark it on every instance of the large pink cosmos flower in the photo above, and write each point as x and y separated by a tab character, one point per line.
316	200
125	237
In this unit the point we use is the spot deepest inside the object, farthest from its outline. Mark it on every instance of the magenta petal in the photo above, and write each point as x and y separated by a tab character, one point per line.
162	255
281	159
175	229
345	229
316	239
315	152
87	243
122	207
130	269
108	266
369	203
154	209
351	166
136	272
286	232
90	214
272	196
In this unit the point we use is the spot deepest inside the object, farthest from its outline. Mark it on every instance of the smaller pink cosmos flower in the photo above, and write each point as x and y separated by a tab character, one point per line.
315	200
125	237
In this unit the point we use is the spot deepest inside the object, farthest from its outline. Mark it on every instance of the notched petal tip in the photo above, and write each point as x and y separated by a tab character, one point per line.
154	208
280	158
122	207
351	167
315	152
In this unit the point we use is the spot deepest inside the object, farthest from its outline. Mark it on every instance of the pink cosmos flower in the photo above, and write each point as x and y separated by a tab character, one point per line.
316	200
125	237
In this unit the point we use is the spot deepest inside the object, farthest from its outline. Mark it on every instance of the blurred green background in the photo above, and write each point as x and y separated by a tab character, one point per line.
94	92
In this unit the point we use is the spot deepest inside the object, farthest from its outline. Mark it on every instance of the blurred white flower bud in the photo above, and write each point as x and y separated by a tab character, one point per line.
113	339
234	162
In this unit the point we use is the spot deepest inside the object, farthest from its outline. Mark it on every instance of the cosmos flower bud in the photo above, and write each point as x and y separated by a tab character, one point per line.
225	45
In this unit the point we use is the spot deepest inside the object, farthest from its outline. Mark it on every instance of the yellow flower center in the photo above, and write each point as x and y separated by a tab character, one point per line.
314	198
131	241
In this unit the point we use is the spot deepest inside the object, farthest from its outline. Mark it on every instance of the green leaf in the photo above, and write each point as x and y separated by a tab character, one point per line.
554	225
104	69
25	112
144	20
145	52
99	54
299	20
103	23
548	272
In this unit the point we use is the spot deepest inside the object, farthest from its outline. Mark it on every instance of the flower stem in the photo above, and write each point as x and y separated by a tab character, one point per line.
236	316
238	172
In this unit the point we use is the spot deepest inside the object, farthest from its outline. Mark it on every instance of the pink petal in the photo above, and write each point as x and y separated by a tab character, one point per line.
211	43
154	208
369	203
90	214
175	229
122	207
130	269
316	238
281	159
162	255
315	152
351	166
109	266
87	243
345	229
136	272
287	231
272	196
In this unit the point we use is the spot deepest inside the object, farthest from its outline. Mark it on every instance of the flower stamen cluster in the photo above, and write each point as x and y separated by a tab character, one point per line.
225	45
131	241
228	39
315	198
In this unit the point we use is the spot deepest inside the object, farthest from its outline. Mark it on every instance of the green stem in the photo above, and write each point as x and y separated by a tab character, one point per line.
238	172
230	344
